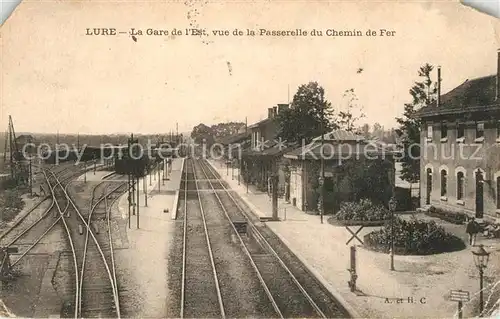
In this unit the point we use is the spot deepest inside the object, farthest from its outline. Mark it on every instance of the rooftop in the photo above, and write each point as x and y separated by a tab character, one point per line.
478	94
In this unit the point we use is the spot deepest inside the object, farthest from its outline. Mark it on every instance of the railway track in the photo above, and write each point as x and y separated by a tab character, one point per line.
285	291
98	298
36	224
200	290
94	284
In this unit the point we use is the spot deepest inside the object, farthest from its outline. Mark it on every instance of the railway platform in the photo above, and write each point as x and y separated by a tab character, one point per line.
143	266
419	285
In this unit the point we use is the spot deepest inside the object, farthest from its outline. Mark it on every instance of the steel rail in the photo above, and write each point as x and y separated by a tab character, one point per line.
77	296
245	249
20	220
108	213
89	231
271	249
93	237
183	282
216	279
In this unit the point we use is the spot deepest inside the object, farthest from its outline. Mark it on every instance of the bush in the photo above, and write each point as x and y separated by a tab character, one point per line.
11	204
414	237
364	210
449	216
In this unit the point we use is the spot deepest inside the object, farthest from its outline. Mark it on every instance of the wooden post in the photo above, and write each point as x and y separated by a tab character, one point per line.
352	270
145	192
460	315
274	191
137	202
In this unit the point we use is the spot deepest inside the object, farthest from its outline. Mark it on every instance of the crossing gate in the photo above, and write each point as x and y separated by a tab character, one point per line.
354	234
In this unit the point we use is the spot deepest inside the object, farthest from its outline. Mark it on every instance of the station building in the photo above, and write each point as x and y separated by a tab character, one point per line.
460	149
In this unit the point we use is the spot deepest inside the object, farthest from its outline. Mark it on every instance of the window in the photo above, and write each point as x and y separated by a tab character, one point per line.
429	131
443	182
460	185
460	130
498	192
444	130
479	130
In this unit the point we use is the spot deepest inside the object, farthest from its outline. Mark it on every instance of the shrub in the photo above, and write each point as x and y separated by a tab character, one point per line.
364	210
10	203
414	237
449	216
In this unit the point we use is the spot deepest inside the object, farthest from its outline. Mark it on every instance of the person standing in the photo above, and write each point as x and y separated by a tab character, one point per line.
471	229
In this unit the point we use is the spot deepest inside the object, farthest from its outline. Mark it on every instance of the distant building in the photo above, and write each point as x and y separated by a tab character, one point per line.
339	147
460	149
264	156
26	141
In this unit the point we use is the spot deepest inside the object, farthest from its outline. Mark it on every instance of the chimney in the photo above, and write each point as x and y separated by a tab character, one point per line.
438	100
270	112
282	107
497	96
275	111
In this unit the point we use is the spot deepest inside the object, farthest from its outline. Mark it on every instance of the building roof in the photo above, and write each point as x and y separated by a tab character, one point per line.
339	144
25	138
341	136
261	123
478	94
233	139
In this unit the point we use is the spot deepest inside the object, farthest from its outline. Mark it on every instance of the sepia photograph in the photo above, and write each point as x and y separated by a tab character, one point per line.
249	159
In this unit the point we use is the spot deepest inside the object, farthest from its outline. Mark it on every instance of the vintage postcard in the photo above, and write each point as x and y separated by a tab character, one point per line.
261	159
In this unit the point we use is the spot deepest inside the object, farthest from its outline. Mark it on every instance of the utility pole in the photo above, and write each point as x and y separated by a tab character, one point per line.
129	187
137	201
159	177
145	191
31	178
11	154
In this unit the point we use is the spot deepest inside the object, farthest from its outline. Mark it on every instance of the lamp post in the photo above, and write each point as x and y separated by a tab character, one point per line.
287	183
392	208
481	258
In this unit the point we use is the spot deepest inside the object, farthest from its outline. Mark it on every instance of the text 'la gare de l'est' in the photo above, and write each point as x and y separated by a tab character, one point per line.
241	32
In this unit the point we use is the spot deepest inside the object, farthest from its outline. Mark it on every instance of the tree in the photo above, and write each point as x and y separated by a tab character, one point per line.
365	131
302	121
423	93
202	134
352	113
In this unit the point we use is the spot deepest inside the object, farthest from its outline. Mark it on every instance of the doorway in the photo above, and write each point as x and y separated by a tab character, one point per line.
429	187
479	194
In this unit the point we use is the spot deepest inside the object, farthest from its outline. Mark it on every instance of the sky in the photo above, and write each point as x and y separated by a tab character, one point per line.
57	78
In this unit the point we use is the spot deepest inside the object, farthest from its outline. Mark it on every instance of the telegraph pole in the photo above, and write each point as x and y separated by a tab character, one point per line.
31	179
322	160
137	201
159	177
145	191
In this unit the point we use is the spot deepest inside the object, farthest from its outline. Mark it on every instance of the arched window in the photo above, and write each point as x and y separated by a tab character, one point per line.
443	182
460	185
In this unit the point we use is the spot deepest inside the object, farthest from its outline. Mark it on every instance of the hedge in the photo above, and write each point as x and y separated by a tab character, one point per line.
364	210
449	216
414	237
